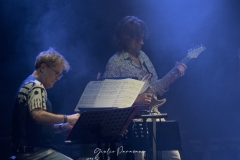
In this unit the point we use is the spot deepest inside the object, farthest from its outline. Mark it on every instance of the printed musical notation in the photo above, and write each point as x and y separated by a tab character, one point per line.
110	93
89	95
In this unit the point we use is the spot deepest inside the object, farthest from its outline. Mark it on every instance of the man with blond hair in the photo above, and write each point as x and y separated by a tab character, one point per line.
33	123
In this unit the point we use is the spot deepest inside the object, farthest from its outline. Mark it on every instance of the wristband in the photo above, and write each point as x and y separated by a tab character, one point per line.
64	119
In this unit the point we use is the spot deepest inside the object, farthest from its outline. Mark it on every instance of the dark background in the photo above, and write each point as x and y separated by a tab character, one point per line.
205	101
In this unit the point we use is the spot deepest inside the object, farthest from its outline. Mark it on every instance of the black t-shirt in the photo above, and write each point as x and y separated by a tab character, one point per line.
25	132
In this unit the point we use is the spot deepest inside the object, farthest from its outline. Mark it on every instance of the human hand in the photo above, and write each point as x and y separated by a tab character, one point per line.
181	67
144	98
71	119
66	126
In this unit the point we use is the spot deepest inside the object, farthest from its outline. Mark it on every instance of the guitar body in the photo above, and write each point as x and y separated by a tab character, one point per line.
155	103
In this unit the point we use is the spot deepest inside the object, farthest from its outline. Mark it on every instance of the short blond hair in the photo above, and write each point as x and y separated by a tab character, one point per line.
52	58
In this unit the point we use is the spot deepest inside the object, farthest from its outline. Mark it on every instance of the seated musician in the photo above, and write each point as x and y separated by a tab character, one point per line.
33	123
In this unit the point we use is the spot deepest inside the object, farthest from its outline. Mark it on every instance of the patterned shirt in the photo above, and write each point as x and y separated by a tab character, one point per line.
122	64
25	131
33	94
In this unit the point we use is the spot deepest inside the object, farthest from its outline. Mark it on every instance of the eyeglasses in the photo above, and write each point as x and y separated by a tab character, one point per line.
56	72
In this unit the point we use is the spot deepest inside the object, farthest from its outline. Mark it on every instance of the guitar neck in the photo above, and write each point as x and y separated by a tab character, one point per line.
164	82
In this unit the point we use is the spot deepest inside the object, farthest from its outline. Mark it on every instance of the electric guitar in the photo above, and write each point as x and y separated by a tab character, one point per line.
162	83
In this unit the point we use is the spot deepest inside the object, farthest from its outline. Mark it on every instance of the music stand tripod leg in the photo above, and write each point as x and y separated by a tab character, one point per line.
154	139
145	130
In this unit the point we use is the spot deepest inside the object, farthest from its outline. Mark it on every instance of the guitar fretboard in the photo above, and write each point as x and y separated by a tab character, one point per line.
163	83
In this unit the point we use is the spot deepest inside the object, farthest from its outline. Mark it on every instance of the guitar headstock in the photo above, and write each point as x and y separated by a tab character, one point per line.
193	53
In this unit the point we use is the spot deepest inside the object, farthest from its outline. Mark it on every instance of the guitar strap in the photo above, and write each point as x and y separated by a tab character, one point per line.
145	66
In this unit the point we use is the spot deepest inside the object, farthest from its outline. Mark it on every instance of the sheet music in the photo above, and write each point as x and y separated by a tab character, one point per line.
119	93
89	95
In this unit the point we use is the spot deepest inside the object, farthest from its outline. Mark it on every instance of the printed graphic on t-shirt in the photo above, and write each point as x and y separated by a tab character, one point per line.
33	94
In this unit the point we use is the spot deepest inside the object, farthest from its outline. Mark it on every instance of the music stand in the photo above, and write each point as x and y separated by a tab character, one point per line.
100	126
82	109
155	136
169	136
